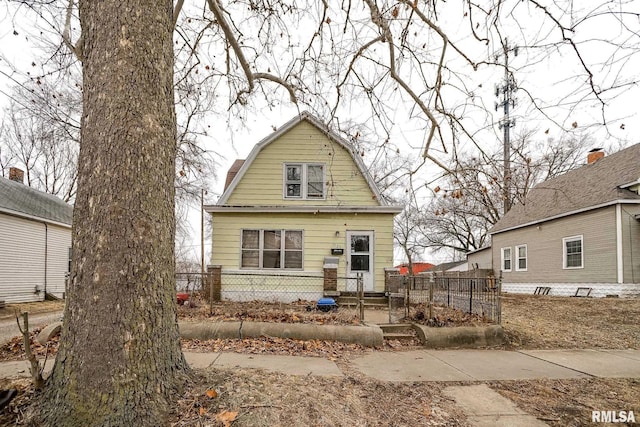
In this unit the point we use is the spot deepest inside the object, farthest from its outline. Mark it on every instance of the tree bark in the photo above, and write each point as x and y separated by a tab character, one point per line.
119	359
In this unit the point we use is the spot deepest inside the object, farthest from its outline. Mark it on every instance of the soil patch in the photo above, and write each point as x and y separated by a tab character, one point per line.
260	311
444	317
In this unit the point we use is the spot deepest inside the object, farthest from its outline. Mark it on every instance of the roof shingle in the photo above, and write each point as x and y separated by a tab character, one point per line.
21	199
591	185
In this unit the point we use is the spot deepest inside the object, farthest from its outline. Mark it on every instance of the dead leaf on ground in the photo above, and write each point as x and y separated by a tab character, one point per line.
226	417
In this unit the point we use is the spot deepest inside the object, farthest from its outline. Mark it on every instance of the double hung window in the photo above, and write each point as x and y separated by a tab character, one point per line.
572	252
521	261
506	259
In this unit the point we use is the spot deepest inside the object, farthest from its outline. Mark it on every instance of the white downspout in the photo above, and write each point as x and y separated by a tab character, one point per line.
619	258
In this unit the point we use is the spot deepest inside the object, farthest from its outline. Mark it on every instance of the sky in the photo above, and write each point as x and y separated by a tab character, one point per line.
547	81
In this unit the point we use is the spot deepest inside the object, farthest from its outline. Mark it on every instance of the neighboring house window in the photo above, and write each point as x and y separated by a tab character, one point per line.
572	251
69	263
506	259
271	249
304	181
521	261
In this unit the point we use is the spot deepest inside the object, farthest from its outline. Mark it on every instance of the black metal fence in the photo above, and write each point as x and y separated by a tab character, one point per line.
474	293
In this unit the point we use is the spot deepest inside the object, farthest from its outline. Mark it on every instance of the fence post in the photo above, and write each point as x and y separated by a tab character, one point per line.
330	281
432	282
471	296
360	285
215	283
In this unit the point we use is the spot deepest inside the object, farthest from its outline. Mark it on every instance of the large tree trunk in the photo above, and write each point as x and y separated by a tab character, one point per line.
120	359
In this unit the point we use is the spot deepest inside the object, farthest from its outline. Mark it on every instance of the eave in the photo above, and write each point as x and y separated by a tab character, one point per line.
304	209
566	214
33	218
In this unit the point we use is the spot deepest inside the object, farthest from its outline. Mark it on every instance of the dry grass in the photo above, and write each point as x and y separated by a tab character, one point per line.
270	399
9	312
563	403
546	322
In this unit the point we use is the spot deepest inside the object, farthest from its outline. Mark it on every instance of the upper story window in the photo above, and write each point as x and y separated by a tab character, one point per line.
304	181
572	252
521	261
506	259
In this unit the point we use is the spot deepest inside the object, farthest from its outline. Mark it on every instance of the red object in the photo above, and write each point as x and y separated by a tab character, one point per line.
182	298
418	267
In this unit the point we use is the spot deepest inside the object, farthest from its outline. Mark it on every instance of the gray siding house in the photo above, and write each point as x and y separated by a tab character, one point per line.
35	242
580	229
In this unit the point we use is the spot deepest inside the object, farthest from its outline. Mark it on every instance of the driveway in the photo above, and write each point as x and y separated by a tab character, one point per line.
9	327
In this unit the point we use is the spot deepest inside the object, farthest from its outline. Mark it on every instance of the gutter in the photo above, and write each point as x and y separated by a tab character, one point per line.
305	209
33	217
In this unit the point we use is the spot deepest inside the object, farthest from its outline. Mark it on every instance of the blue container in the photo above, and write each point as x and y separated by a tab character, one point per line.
326	304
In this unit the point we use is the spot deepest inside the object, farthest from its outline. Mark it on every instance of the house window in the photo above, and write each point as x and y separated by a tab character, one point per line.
304	181
69	260
506	259
572	252
271	249
521	261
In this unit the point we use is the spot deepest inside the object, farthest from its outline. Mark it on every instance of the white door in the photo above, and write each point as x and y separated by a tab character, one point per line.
360	258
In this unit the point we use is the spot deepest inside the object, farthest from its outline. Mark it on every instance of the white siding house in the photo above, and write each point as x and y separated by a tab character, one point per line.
35	242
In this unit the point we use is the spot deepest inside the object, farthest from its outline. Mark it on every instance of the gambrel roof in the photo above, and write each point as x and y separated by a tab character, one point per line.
602	183
21	200
243	166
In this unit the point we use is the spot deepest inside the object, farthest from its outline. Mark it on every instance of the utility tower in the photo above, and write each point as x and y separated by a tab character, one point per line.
504	92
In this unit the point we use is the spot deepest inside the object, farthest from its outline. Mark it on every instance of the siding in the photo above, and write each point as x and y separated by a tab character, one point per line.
545	249
262	184
59	242
482	258
22	259
319	237
631	243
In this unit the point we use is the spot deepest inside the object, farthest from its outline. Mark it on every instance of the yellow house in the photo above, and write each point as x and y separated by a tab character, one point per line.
302	201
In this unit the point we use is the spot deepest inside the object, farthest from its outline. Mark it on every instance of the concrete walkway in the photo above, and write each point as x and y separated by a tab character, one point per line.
483	406
428	365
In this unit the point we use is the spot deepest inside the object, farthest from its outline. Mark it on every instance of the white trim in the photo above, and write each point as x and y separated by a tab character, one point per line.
274	272
372	253
33	218
579	237
305	209
517	257
562	215
619	246
502	259
281	131
261	250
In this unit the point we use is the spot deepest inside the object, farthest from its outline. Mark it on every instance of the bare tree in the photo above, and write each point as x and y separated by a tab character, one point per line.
468	201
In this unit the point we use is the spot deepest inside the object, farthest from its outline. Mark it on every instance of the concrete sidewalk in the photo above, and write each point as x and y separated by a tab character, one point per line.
427	365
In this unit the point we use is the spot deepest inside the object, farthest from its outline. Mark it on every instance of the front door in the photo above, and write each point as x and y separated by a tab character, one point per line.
360	258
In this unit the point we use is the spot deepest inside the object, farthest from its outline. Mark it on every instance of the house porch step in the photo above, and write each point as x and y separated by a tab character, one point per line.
400	331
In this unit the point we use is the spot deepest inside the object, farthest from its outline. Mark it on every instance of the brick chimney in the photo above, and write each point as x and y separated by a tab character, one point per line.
16	175
594	155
